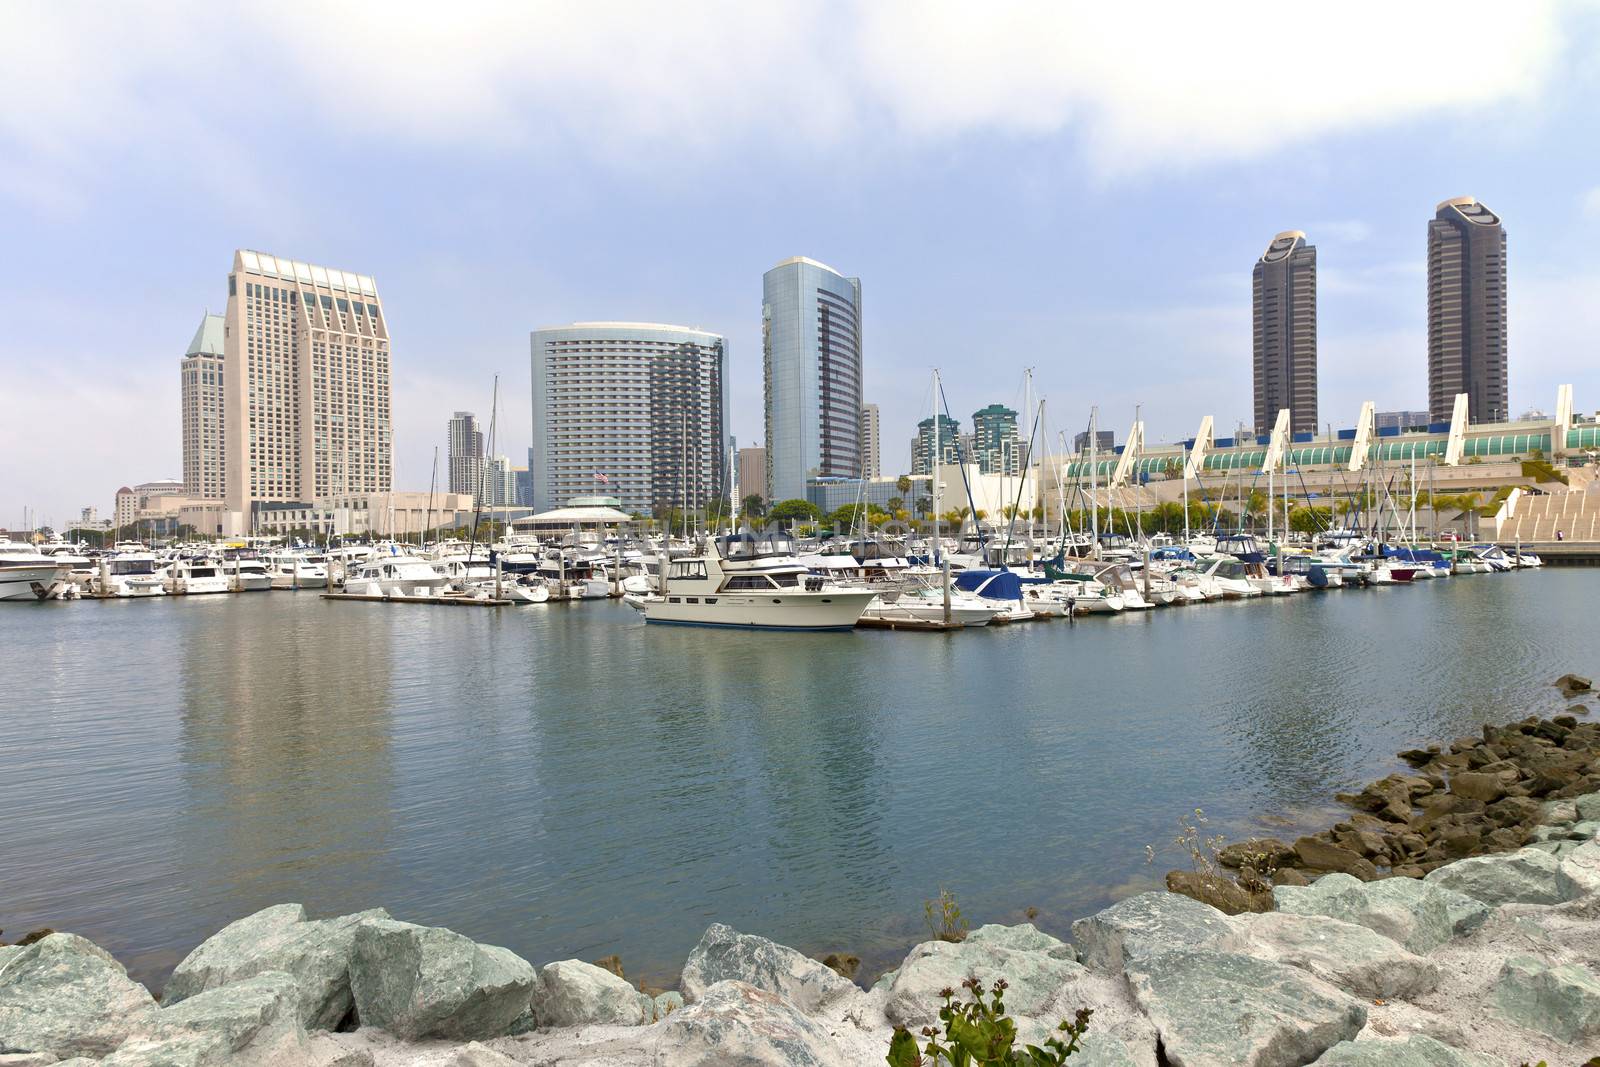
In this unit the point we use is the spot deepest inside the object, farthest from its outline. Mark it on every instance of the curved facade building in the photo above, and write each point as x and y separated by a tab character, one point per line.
811	359
1285	333
634	410
1467	311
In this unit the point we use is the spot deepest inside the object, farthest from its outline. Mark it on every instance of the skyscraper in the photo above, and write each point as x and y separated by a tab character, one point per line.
994	440
633	410
306	383
753	472
948	443
1285	334
201	372
811	360
499	483
466	454
1467	311
871	460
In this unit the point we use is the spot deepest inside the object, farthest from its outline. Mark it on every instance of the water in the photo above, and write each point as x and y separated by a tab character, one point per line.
567	782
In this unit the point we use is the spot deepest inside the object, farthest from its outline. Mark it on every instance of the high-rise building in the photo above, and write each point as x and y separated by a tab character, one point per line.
753	472
871	461
1104	441
524	483
499	483
633	410
811	361
1467	311
948	444
1285	334
994	440
466	454
307	412
201	372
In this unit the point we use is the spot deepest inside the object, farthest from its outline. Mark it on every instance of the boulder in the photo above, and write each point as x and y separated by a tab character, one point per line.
1573	684
734	1024
423	981
1320	855
33	1059
724	954
1587	807
1578	873
259	1013
1032	979
1214	1009
1527	876
1219	891
1563	1002
315	953
842	964
66	996
1260	853
1405	910
1149	924
1343	954
1413	1051
1466	913
664	1004
574	993
1478	785
1024	937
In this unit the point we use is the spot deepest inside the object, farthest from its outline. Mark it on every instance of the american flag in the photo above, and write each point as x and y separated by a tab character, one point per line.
601	478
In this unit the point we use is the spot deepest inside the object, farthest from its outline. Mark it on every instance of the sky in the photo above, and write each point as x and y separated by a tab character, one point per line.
1079	189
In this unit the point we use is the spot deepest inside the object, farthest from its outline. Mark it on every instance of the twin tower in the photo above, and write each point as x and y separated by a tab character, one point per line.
1466	320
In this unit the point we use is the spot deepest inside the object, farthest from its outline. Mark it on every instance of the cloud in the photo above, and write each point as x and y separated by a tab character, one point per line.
1591	203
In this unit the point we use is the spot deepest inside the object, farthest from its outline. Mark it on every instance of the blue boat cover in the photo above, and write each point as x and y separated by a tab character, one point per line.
1001	585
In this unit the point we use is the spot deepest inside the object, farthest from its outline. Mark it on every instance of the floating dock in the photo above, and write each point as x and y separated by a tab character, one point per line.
928	625
457	600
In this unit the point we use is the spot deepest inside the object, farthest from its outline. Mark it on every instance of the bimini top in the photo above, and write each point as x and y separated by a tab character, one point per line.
1469	208
1282	245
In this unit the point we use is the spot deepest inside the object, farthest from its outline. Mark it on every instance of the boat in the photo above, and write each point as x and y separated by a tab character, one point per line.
247	575
192	577
294	570
1000	588
927	605
398	576
128	574
751	581
28	574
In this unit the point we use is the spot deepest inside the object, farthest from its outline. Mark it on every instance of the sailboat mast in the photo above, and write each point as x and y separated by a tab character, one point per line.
936	454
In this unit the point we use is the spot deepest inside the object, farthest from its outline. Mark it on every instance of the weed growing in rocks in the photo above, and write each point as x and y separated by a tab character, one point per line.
1201	849
980	1034
943	916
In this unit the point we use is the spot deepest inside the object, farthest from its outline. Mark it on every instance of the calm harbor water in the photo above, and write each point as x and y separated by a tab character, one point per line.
566	782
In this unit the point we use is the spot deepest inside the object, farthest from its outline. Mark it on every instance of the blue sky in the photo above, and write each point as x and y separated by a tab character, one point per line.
1063	187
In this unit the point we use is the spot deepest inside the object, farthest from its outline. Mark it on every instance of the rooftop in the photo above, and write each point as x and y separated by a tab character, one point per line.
208	338
292	270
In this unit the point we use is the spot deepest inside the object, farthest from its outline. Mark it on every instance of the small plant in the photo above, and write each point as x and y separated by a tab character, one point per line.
980	1034
1191	838
943	916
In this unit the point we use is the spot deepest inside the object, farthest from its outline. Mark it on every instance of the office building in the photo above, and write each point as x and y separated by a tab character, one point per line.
753	473
1285	333
811	361
633	410
1467	311
871	461
949	445
523	478
995	446
201	373
1105	441
499	483
831	494
465	454
306	374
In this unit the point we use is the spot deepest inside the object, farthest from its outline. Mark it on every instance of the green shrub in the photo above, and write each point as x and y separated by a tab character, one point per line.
980	1034
943	916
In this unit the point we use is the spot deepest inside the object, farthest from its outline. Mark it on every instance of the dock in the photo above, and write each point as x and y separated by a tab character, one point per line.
457	600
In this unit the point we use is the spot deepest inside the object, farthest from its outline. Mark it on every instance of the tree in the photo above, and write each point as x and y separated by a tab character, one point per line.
1310	519
903	484
754	506
785	511
846	517
924	505
895	503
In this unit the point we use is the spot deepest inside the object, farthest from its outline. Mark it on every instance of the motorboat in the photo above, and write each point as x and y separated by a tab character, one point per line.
247	575
195	576
295	570
28	574
928	605
397	576
129	574
751	581
1002	588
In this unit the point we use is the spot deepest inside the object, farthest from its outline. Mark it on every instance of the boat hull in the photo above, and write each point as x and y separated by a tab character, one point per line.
28	581
832	610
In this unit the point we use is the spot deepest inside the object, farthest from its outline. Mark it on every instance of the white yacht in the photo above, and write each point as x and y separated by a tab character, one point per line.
191	577
927	605
247	575
396	576
751	582
297	570
129	574
28	574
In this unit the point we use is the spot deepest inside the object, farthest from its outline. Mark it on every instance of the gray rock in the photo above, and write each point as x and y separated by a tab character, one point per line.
426	981
1563	1002
1578	872
29	1059
574	993
1343	954
734	1024
1150	924
1588	807
1557	812
1217	1009
259	1009
473	1054
66	996
1024	937
1033	979
315	953
1402	909
1414	1051
1101	1049
1466	913
724	954
666	1003
1526	876
190	1049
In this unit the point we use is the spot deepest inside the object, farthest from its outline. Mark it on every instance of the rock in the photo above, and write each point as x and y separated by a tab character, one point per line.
1559	811
574	993
1476	785
473	1054
1222	893
1587	807
1413	1051
1261	853
30	1059
1289	876
734	1024
1024	937
1573	684
422	981
315	953
1526	876
259	1013
1149	924
1404	910
1466	913
192	1049
842	964
1514	811
1578	873
724	954
1321	856
1563	1002
66	996
1214	1009
612	963
1343	954
666	1003
1033	979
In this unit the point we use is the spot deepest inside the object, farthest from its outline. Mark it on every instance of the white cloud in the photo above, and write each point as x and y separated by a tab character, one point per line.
1591	203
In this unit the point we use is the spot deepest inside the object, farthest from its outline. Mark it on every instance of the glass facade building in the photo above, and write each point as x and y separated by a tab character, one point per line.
811	361
950	451
1284	286
994	440
635	410
1467	311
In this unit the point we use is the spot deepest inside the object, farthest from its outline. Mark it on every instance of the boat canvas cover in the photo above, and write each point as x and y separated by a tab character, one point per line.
998	585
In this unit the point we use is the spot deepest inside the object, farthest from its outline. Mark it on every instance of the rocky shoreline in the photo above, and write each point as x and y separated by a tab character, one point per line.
1452	921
